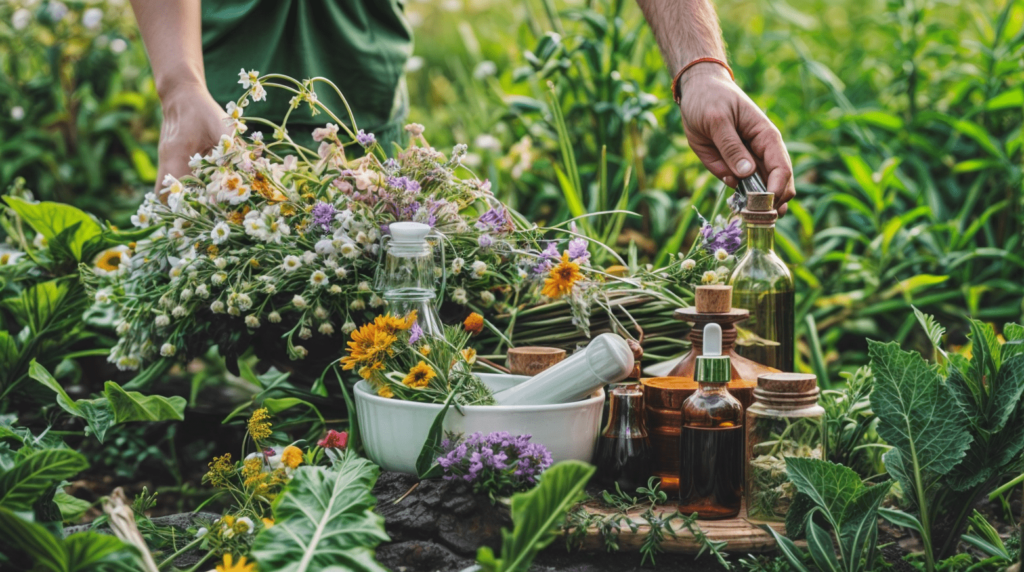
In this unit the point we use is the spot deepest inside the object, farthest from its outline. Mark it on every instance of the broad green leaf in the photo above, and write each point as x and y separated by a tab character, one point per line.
32	540
837	490
95	551
985	355
71	507
902	519
1014	345
917	413
50	219
819	544
324	518
536	515
34	474
42	305
134	406
97	412
865	179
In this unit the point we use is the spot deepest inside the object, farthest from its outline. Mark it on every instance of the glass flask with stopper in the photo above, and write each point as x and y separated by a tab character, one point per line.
624	452
763	285
711	438
408	276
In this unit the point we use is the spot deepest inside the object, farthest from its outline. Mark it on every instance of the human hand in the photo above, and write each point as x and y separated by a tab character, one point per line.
731	135
193	123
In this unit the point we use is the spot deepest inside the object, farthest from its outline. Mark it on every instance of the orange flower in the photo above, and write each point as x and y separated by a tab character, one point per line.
230	566
562	278
385	392
367	347
392	324
419	376
474	323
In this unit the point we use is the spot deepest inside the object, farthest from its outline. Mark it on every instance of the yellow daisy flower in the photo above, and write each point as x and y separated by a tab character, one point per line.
229	565
419	376
561	278
291	456
385	392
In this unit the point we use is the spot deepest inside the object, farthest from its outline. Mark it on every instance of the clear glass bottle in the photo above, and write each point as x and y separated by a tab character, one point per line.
624	452
762	284
711	438
407	280
784	421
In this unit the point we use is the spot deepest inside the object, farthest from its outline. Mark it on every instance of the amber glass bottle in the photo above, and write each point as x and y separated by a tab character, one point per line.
624	450
762	284
711	439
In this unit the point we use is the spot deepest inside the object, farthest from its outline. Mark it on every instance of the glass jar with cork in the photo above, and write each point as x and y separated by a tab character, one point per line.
763	285
784	421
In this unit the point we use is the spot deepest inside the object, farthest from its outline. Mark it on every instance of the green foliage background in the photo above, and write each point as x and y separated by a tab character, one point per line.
903	119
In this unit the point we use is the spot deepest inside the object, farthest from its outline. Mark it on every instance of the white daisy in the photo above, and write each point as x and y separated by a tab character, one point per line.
291	263
220	233
318	279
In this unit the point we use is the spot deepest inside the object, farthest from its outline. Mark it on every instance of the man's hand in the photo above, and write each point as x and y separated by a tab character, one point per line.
193	123
731	135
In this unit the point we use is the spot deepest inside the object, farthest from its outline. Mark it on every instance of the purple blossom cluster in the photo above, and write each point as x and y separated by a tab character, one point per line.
323	215
547	259
495	220
727	236
494	461
365	139
404	184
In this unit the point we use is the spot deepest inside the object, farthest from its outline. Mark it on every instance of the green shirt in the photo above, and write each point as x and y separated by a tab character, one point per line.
360	45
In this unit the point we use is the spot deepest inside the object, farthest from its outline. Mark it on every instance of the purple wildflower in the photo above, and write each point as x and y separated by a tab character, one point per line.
494	220
579	251
365	139
548	258
498	462
323	215
485	241
727	236
415	333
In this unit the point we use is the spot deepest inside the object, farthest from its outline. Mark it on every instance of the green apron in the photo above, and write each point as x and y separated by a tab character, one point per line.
360	45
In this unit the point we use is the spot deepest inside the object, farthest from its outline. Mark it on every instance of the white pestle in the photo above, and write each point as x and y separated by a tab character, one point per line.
607	359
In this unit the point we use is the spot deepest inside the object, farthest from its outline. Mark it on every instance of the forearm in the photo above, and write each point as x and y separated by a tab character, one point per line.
172	32
685	30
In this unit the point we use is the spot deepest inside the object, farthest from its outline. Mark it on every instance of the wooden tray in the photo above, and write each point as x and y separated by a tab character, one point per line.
742	535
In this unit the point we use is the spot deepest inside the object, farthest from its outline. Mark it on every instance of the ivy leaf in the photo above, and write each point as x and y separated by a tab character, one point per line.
324	518
134	406
918	414
35	473
536	515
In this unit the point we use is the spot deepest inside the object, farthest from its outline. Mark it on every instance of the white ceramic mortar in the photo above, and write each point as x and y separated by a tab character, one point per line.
393	431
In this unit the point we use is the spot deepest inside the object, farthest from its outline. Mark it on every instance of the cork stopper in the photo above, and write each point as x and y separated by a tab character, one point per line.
760	209
713	299
531	360
787	382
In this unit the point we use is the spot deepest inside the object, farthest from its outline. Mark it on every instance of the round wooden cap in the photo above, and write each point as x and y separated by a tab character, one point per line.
783	382
760	202
531	360
713	299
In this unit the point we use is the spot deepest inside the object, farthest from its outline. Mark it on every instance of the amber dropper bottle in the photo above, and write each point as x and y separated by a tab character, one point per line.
711	439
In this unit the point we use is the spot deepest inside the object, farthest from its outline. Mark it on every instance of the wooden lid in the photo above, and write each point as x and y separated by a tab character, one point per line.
692	315
531	360
760	202
713	299
783	382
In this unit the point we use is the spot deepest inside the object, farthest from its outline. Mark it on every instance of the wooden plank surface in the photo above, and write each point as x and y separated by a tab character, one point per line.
742	535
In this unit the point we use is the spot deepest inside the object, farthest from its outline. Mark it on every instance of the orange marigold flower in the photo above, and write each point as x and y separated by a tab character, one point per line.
419	376
561	278
291	456
474	323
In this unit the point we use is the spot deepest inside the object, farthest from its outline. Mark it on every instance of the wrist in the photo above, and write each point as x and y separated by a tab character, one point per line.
179	87
699	77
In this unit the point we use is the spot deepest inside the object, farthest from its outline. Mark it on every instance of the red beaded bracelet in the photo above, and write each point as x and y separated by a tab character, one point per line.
675	81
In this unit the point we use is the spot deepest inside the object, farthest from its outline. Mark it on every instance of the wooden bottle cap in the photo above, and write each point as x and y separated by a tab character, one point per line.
531	360
713	299
760	202
784	382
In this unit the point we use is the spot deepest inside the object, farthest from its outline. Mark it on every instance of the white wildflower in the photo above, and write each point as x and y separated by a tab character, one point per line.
102	295
220	233
487	297
334	289
376	301
179	312
161	321
721	255
357	304
709	277
459	296
291	263
202	291
363	286
299	302
218	278
479	268
168	350
457	265
251	321
326	329
688	264
348	327
217	307
305	333
274	317
320	312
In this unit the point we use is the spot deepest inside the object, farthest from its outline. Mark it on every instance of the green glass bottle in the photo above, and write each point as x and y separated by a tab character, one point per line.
762	284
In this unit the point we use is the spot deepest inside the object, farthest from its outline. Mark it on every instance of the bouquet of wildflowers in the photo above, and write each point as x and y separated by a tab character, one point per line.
268	238
712	256
399	361
497	463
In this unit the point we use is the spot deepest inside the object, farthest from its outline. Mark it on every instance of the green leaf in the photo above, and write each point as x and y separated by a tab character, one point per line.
819	544
1014	345
39	546
134	406
788	548
50	219
537	514
324	517
82	552
903	519
985	354
71	507
932	328
917	413
47	304
32	475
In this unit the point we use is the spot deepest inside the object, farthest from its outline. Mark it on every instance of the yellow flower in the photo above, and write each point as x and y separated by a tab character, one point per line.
230	565
212	251
252	472
419	376
367	370
368	345
291	456
259	424
561	278
392	324
385	392
109	260
425	350
221	469
469	354
474	323
268	522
